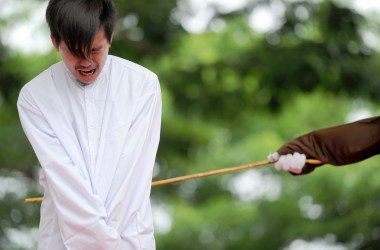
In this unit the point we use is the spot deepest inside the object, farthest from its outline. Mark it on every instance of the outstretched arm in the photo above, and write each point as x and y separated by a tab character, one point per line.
340	145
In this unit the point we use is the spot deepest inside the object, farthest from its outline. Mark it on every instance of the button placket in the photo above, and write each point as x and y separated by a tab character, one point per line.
92	124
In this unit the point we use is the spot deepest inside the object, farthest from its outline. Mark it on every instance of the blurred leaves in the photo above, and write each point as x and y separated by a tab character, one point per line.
230	96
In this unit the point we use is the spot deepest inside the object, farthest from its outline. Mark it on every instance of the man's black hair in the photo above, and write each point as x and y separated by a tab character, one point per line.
76	22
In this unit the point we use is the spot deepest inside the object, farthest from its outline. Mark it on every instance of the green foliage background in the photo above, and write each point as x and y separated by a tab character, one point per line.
230	96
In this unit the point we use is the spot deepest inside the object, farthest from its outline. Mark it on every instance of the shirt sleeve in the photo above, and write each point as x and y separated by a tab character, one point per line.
339	145
82	217
132	183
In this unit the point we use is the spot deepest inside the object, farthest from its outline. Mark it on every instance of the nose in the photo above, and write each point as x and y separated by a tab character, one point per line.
85	62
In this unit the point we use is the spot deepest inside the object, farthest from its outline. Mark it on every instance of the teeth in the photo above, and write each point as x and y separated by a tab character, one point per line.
88	72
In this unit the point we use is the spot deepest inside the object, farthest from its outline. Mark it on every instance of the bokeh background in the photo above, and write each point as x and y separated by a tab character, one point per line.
239	78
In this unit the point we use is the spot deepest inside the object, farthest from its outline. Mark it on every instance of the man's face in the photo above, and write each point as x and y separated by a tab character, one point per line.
86	70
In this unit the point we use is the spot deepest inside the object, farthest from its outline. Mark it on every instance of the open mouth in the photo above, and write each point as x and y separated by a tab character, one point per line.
86	72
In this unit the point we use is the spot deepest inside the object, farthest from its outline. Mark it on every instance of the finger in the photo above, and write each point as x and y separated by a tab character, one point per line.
299	160
295	170
287	161
297	163
279	164
273	157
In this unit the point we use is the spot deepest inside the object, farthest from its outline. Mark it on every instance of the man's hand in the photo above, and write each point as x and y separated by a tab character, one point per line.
290	162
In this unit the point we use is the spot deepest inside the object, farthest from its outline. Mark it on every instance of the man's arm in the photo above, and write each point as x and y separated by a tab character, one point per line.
81	215
340	145
131	185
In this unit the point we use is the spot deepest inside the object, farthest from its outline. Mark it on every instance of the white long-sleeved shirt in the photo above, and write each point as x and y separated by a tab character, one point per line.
96	145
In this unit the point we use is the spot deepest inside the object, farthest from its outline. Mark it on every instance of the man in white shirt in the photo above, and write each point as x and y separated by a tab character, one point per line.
94	123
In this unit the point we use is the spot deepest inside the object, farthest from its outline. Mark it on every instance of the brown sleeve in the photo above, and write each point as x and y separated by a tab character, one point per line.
340	145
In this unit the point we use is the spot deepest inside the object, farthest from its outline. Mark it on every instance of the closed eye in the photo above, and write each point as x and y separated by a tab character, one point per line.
96	49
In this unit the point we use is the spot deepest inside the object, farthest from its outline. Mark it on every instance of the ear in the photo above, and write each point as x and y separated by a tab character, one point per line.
54	42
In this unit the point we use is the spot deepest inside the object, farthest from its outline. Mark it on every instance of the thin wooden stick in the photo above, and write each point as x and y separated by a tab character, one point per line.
201	175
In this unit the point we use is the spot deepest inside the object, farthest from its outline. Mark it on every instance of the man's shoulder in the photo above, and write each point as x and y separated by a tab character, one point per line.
133	77
42	79
129	65
40	89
